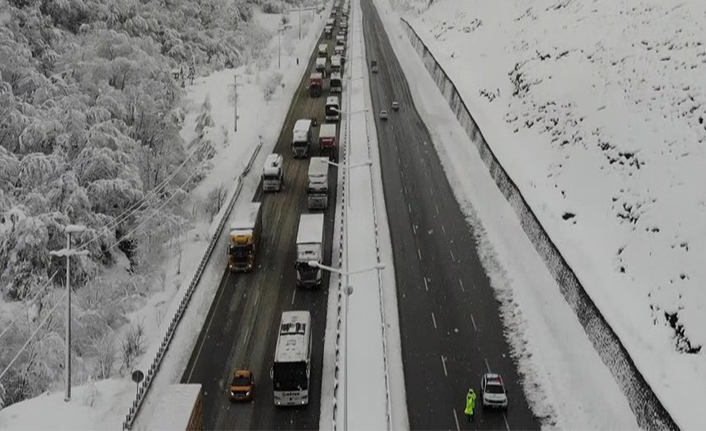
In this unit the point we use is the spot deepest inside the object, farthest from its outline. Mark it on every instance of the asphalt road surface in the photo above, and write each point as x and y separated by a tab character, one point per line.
450	323
242	324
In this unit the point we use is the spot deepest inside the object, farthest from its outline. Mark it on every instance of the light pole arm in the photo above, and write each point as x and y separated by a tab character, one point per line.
316	264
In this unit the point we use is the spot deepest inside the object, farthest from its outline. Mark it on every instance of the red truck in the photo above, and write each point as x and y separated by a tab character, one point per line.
316	83
327	141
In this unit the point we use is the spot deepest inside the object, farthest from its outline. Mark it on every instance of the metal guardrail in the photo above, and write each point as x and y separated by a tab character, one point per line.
644	403
146	384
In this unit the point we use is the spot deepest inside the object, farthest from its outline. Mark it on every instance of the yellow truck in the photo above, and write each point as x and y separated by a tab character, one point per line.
244	238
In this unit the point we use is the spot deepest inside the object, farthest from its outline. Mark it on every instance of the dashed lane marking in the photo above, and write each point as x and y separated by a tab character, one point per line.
443	362
486	364
461	283
433	319
474	323
426	285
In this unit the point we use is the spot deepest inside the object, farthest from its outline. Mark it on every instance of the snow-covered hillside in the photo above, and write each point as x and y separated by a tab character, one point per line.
596	109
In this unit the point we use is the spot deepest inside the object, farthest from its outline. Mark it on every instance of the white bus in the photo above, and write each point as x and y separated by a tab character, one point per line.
292	367
333	109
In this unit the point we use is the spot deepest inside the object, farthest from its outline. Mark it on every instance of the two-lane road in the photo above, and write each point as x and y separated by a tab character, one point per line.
242	325
450	321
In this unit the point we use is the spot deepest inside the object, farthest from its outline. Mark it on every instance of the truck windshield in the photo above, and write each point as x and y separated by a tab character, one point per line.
271	177
240	251
290	376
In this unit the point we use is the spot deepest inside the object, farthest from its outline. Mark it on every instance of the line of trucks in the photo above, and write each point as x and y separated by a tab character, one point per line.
246	229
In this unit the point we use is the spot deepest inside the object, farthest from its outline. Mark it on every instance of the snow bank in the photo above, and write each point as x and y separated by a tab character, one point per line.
601	132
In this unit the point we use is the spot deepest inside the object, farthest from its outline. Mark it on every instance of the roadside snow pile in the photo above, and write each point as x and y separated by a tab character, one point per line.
598	113
91	408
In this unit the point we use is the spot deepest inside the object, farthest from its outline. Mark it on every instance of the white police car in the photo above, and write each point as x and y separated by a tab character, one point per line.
492	391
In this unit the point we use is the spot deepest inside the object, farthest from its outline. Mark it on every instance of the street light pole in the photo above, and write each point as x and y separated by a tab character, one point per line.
68	253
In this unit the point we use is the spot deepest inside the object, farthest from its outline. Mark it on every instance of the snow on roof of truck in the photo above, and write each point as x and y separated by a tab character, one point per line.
318	167
336	75
311	229
294	336
316	75
273	164
175	406
302	125
336	58
320	61
327	130
323	47
246	219
332	100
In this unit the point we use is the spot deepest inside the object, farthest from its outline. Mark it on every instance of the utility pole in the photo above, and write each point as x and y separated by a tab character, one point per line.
235	102
68	253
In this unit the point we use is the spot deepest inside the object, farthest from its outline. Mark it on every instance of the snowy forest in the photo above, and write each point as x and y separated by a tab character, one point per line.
89	135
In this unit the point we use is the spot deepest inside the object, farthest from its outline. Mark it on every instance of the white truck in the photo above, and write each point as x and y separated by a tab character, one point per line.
332	109
310	247
323	50
301	138
321	65
273	173
336	64
336	83
317	187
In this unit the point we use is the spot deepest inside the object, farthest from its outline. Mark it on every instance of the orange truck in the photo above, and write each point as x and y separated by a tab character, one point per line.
245	234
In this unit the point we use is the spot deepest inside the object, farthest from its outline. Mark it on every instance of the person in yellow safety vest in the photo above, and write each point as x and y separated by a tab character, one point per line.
470	404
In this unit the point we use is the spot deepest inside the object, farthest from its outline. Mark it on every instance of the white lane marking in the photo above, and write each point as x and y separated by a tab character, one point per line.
402	172
426	286
461	283
433	319
414	226
409	208
458	428
486	364
453	259
208	327
294	295
507	425
443	362
474	323
405	189
443	228
437	208
419	253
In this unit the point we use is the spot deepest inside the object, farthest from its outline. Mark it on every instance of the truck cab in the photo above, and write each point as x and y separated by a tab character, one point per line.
336	64
273	173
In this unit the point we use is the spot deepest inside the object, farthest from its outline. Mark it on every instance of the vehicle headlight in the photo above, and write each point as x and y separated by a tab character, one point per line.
247	394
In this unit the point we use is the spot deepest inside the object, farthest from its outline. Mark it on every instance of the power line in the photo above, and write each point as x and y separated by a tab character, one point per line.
148	197
32	336
150	217
27	303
